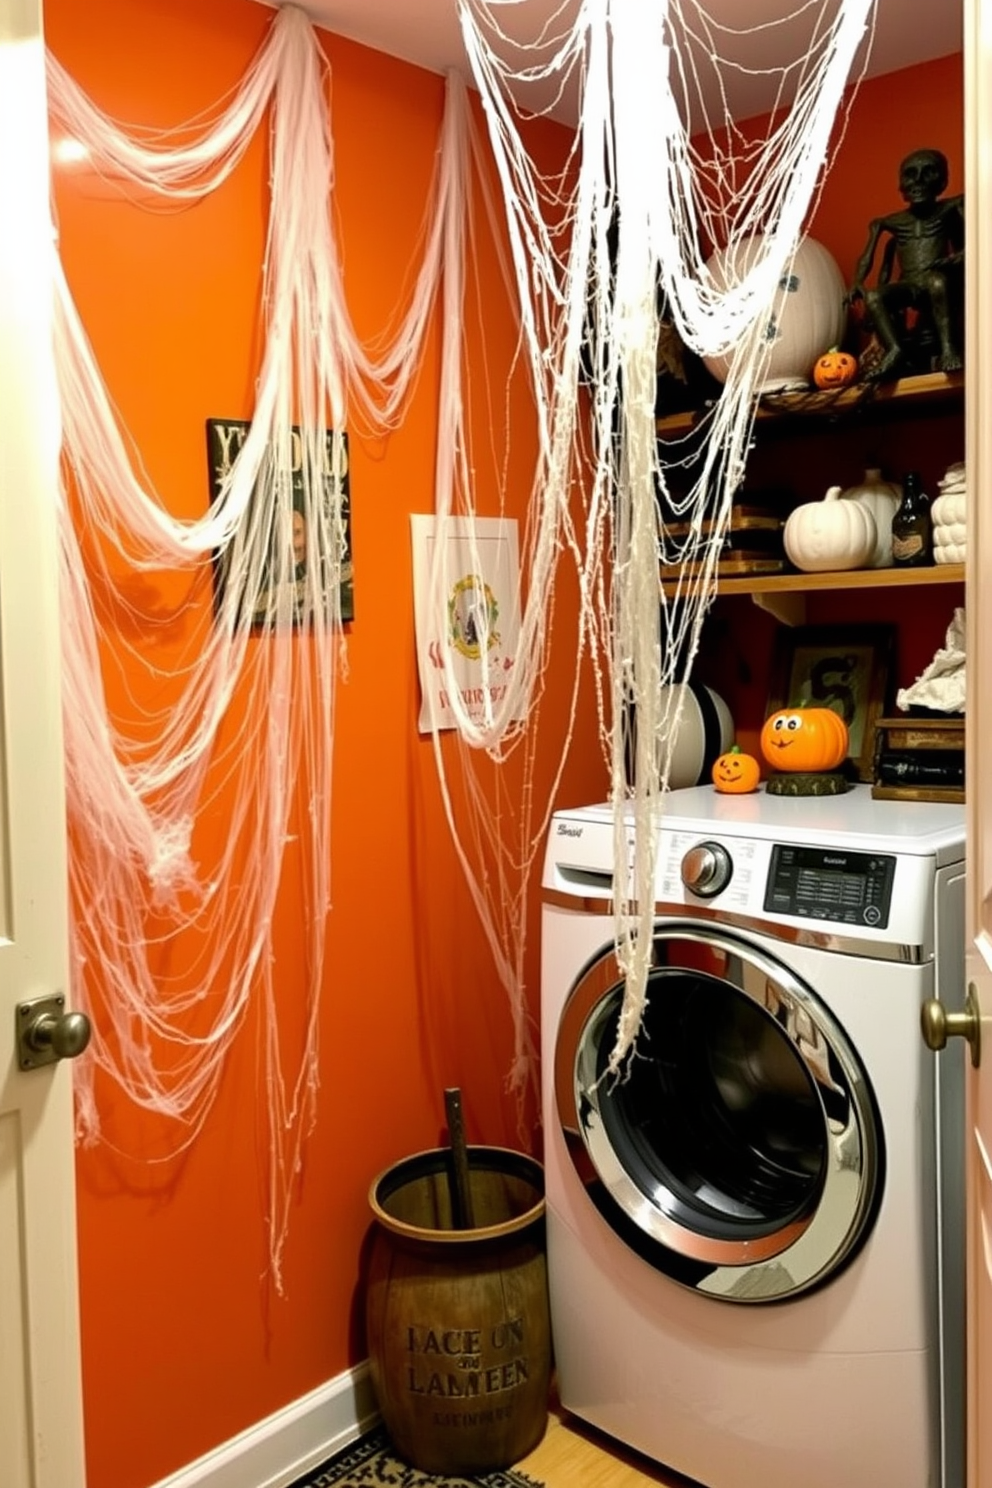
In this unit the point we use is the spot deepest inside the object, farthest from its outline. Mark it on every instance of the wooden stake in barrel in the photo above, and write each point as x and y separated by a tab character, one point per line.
461	1188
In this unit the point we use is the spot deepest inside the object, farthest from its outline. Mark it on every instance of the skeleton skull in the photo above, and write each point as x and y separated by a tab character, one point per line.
923	176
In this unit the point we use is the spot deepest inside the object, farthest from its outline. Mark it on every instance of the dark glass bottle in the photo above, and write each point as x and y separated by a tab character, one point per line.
912	526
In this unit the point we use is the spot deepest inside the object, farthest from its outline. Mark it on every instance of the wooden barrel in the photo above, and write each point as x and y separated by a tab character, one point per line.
458	1326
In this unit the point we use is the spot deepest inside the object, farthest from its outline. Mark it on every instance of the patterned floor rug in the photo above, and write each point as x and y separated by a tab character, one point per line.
372	1461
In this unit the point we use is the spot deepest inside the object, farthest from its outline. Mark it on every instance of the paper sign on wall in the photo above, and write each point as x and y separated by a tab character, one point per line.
467	611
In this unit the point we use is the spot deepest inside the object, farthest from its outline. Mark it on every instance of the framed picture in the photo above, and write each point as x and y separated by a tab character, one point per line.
224	439
847	668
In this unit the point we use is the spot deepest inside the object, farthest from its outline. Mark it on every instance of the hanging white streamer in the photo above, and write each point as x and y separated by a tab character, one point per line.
590	249
639	213
139	786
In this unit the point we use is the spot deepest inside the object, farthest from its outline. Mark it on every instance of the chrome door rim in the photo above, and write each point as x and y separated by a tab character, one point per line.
803	1253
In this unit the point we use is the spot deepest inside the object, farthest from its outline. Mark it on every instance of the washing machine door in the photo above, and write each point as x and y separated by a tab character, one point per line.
740	1151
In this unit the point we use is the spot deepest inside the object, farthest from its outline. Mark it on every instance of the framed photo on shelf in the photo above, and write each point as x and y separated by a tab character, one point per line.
847	668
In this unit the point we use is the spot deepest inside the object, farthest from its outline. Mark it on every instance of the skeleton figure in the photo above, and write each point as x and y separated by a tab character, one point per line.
926	241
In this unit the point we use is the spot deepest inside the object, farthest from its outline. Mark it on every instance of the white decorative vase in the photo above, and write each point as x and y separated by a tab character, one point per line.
881	498
950	530
806	318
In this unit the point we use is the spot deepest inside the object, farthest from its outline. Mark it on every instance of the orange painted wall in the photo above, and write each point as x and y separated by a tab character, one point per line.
184	1344
892	115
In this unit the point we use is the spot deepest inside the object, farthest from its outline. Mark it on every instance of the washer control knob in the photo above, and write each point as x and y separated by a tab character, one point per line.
706	869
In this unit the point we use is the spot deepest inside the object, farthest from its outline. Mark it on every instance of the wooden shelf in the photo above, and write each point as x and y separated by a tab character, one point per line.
930	389
858	578
784	595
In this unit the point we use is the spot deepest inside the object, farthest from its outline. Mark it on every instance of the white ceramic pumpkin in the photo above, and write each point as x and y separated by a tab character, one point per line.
882	499
808	313
830	535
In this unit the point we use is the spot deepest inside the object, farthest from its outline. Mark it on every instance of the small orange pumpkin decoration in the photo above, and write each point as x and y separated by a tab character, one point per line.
835	369
804	739
736	773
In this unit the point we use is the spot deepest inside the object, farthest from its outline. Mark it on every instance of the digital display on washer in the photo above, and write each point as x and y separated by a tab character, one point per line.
852	888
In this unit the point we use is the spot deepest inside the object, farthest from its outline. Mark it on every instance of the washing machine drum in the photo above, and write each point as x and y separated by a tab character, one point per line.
740	1150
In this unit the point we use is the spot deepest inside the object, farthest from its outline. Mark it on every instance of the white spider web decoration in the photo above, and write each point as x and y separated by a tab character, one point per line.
643	208
590	248
255	719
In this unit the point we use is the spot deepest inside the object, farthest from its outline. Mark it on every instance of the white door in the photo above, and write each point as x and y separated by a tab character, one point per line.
40	1394
978	1154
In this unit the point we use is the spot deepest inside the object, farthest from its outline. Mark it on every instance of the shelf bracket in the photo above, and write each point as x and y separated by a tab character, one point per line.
787	607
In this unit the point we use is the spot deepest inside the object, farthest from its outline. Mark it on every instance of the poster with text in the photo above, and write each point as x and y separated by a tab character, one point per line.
289	597
467	612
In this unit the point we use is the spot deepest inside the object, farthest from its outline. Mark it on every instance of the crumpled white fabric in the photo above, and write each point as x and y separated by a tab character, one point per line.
940	685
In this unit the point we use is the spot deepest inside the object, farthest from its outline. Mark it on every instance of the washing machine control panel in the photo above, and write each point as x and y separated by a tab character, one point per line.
851	888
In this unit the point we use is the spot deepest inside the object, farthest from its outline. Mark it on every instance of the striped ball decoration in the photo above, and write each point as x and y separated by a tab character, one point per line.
705	731
808	314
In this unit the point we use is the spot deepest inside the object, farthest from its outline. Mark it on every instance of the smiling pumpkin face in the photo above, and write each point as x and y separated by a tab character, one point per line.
835	369
735	773
804	739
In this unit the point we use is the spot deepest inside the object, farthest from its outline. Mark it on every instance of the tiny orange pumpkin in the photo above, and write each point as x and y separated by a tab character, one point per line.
804	739
736	773
835	368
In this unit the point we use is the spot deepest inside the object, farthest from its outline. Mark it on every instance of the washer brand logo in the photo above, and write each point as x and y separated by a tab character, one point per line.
834	862
564	830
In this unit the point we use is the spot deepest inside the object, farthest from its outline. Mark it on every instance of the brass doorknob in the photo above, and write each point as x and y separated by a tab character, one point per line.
939	1025
47	1033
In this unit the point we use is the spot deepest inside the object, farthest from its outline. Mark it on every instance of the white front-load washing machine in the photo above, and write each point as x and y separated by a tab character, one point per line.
755	1236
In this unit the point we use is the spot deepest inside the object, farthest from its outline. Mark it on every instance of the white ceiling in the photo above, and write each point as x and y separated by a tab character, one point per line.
426	32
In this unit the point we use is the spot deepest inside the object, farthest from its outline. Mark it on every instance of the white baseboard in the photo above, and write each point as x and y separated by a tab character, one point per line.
296	1439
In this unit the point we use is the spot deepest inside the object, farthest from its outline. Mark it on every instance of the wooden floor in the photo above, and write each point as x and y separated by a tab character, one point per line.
573	1455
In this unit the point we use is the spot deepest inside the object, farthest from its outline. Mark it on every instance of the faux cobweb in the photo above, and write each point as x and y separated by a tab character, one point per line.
654	177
